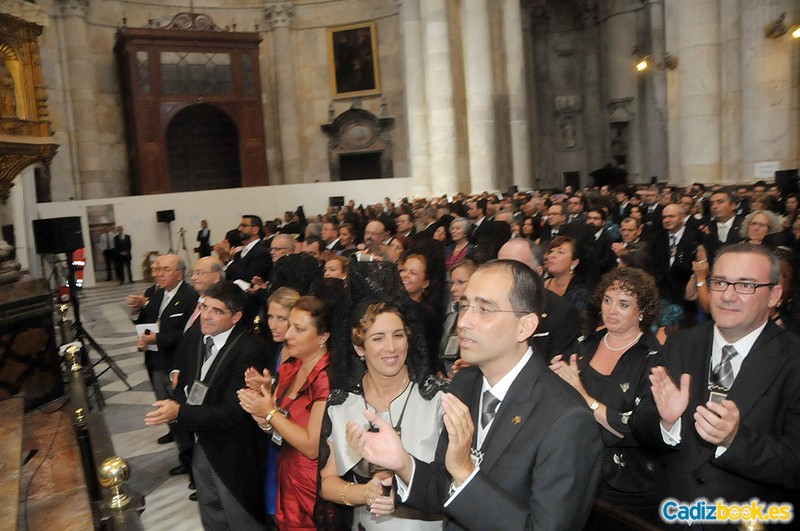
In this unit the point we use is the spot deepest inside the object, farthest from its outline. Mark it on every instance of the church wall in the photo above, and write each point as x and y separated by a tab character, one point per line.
106	173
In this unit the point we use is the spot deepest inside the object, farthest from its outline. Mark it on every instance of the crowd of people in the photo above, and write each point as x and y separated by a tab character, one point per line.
562	359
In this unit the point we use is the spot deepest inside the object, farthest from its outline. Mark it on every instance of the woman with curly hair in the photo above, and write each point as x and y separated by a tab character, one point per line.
610	370
397	384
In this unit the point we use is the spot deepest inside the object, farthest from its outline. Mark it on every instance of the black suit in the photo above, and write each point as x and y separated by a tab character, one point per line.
229	438
256	263
763	460
122	257
711	241
557	329
598	257
541	461
673	278
204	238
171	321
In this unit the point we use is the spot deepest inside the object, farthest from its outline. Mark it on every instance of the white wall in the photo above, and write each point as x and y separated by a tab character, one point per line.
222	208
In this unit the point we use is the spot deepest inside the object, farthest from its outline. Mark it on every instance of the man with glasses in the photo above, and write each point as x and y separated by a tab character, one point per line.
169	307
228	463
520	449
726	404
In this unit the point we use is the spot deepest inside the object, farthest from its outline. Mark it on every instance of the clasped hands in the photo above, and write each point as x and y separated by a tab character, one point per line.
715	423
376	502
257	398
385	449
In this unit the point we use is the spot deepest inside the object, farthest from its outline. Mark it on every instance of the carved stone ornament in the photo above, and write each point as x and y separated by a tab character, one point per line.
185	22
357	131
279	15
78	8
619	110
569	103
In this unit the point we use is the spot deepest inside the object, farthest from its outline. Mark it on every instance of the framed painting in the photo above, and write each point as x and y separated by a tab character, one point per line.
353	60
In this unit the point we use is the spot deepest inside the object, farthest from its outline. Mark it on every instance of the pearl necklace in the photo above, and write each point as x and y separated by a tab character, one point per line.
626	347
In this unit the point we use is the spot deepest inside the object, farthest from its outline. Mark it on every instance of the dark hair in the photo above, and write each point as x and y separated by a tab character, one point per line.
234	238
527	288
601	211
315	239
729	193
558	241
229	293
318	311
636	283
630	219
752	248
254	220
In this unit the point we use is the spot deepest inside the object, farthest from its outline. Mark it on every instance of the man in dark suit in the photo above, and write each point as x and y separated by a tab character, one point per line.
228	460
254	259
520	449
674	250
556	332
122	255
170	307
204	240
725	226
731	428
622	208
631	232
598	257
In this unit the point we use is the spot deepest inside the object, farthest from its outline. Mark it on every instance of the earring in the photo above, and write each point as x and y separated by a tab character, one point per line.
641	317
572	268
361	358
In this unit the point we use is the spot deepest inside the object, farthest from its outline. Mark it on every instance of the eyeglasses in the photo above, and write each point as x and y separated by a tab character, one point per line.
245	225
201	273
759	224
743	288
276	249
483	311
216	311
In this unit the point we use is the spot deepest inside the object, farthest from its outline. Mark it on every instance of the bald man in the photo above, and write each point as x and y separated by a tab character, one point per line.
674	250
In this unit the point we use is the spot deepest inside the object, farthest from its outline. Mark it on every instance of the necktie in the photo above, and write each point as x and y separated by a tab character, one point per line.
722	375
489	409
209	346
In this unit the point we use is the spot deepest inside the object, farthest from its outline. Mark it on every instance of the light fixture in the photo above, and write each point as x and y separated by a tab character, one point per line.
776	28
668	62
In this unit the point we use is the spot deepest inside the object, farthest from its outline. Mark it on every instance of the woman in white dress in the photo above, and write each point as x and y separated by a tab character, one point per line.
397	383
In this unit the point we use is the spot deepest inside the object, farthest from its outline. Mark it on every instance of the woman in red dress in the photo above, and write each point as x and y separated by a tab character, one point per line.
293	413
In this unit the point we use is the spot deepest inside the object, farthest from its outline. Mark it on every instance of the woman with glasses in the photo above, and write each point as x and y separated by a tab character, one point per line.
610	370
292	414
760	224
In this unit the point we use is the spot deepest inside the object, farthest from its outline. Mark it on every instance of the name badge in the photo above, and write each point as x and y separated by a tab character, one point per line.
197	393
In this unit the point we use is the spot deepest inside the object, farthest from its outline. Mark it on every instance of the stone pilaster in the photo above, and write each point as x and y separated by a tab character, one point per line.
416	110
279	16
439	95
596	146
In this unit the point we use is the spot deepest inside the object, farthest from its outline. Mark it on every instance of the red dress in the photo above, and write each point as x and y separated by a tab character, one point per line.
297	474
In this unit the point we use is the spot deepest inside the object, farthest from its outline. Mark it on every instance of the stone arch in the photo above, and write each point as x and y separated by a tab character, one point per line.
202	149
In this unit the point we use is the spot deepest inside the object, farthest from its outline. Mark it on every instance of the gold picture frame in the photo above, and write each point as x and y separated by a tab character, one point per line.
353	64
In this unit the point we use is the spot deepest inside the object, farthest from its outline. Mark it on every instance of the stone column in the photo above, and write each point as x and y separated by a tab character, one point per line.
595	135
418	157
622	83
517	94
279	15
769	116
479	92
654	100
80	99
731	52
439	95
699	91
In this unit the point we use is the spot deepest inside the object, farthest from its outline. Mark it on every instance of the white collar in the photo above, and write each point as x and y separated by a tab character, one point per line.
500	389
246	248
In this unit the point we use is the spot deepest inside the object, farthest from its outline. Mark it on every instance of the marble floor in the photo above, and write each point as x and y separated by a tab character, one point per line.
105	318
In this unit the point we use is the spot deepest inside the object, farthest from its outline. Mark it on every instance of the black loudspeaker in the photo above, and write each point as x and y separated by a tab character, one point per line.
165	216
336	201
57	235
787	181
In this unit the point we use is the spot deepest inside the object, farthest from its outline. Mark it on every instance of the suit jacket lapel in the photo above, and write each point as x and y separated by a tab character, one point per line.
511	416
759	369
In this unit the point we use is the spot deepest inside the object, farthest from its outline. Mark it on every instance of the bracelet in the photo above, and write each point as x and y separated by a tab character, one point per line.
269	417
595	405
344	494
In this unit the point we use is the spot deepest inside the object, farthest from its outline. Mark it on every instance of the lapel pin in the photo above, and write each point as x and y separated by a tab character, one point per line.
516	420
625	386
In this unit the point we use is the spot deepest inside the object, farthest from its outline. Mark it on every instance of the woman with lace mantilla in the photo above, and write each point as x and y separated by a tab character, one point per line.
398	385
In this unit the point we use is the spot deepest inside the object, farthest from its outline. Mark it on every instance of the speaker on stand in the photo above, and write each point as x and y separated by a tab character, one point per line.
167	216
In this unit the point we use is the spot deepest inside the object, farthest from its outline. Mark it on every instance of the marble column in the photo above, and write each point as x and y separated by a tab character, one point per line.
699	89
731	51
545	131
418	156
654	100
595	135
279	15
439	95
769	112
80	99
517	94
479	92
